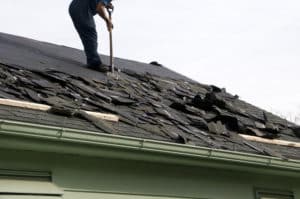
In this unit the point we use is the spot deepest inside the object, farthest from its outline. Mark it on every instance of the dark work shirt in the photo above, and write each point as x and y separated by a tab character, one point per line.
103	1
83	9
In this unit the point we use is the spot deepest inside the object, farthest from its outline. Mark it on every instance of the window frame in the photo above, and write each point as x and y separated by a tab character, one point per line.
277	193
20	182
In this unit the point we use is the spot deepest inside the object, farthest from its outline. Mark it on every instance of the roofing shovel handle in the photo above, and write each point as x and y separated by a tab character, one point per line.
110	11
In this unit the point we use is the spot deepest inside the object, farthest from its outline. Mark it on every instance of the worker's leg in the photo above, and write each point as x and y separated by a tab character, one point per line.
88	37
86	28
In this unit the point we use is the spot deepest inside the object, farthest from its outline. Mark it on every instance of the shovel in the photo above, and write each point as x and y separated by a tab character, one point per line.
112	64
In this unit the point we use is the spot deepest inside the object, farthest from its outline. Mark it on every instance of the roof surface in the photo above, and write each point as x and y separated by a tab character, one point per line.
152	101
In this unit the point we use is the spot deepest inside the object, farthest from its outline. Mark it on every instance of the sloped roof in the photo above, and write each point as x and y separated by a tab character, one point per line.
152	101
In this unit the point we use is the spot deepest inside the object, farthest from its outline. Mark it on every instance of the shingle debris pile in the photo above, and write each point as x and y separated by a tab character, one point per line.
152	101
154	107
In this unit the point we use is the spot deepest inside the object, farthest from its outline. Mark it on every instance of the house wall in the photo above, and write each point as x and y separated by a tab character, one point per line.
93	178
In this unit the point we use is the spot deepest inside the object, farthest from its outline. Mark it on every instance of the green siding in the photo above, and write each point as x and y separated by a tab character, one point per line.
91	177
80	195
28	197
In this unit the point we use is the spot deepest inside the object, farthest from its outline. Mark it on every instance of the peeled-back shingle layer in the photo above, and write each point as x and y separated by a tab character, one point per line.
152	102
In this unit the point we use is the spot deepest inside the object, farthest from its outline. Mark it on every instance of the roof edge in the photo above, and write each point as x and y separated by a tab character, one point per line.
42	138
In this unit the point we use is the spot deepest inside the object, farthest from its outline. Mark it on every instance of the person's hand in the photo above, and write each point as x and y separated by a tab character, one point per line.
109	25
110	6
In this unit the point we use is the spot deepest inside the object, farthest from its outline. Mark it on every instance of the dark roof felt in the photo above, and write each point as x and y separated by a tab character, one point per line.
153	102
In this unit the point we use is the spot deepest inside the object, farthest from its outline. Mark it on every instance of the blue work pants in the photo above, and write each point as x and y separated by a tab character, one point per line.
83	20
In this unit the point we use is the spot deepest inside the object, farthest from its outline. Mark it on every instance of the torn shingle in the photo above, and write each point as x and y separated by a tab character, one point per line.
296	130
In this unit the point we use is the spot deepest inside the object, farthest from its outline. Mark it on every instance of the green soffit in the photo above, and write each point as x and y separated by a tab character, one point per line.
41	138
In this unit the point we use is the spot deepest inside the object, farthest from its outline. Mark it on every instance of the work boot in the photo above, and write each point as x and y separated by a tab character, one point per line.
100	68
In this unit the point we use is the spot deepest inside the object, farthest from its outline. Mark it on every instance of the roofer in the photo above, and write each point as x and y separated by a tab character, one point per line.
82	13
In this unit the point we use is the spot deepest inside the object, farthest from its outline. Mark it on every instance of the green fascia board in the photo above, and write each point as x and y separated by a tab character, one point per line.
41	138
